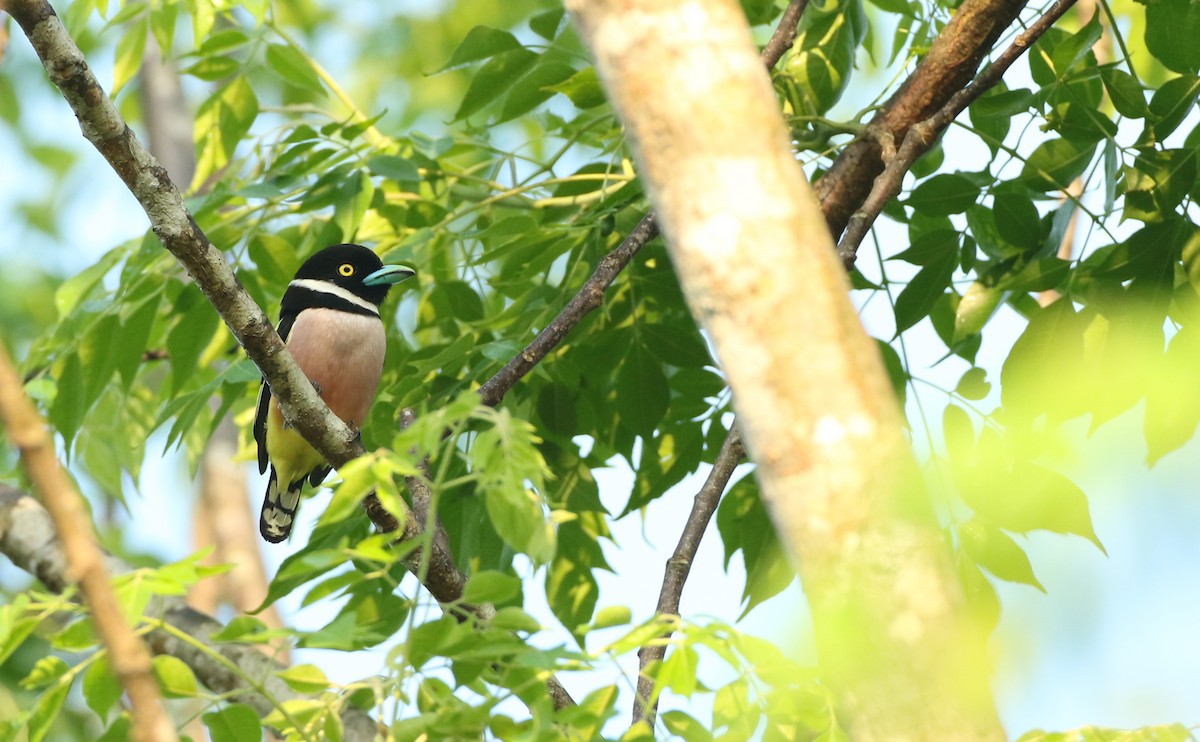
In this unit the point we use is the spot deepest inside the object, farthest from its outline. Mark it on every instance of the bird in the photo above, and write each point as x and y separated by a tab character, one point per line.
329	320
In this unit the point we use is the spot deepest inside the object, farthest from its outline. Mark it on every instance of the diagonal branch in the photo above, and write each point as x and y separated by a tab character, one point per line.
680	564
27	538
591	294
921	136
104	127
949	64
83	560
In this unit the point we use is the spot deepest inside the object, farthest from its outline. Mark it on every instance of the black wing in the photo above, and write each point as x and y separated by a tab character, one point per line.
264	401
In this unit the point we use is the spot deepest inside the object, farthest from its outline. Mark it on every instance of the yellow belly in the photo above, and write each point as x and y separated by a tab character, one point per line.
291	455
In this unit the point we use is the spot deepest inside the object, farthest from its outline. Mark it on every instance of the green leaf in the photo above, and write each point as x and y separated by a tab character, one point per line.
822	57
350	205
239	628
1054	164
235	722
571	588
941	195
744	525
133	338
101	691
558	407
678	671
992	113
1173	403
1050	349
685	727
1125	93
974	384
294	67
974	310
393	168
70	402
643	394
677	345
45	711
162	25
535	87
493	79
1172	27
1021	496
45	671
582	88
491	587
996	552
191	334
131	49
1076	46
175	678
481	42
221	123
305	679
212	69
917	299
1042	274
1158	182
1169	105
15	625
547	23
1017	221
512	618
612	615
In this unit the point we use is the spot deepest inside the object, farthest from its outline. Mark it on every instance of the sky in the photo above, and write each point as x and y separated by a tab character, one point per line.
1111	642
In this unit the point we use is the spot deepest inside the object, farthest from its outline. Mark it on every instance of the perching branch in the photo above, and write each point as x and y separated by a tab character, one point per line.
83	561
591	295
103	126
921	136
813	400
680	564
27	538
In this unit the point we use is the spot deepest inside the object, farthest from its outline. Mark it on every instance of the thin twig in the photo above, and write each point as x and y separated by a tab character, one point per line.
785	33
591	295
680	564
922	135
128	656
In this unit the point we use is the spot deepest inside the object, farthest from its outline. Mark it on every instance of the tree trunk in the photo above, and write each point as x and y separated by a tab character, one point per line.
814	404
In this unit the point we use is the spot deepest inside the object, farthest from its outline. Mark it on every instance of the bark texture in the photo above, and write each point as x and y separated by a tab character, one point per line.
947	67
814	404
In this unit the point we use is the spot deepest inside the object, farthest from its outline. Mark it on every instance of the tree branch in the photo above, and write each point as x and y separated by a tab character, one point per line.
103	126
921	136
591	295
83	561
948	65
813	400
680	565
27	538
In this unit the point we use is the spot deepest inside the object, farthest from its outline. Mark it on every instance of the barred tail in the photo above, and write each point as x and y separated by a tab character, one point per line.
279	509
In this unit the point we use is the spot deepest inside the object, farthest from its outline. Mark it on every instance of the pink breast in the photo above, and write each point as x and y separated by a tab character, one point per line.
343	354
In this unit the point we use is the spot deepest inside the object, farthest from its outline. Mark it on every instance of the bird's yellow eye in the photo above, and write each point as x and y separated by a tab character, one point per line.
346	269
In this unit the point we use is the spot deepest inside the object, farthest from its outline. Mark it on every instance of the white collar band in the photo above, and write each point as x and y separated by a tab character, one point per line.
328	287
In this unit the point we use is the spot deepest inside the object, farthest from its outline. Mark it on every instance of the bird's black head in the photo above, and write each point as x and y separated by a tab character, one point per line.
355	269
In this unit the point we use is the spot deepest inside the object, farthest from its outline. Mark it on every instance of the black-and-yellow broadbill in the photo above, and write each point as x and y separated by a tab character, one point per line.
329	320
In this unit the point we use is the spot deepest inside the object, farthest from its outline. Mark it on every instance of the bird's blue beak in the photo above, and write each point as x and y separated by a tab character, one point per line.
389	274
